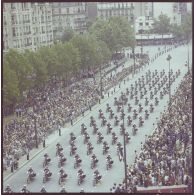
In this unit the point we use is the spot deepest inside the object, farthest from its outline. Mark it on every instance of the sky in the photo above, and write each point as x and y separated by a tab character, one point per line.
165	8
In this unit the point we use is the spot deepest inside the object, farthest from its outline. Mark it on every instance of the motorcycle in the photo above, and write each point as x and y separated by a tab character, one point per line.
140	108
61	162
100	138
129	108
134	130
95	129
89	150
116	122
58	150
109	129
30	177
73	150
141	122
156	101
97	179
83	129
146	114
105	149
94	163
77	163
151	108
103	122
109	164
62	178
46	176
111	115
127	138
86	138
81	179
146	101
46	161
161	95
134	115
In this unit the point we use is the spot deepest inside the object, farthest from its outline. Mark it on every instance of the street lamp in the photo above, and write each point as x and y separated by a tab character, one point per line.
188	57
133	51
169	59
35	129
141	43
124	135
101	87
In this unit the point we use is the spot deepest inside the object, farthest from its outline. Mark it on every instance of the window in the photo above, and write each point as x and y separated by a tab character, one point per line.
147	23
14	32
141	24
67	10
13	6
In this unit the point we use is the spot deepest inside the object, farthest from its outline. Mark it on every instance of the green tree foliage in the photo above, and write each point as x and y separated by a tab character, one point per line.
187	26
162	25
67	35
11	91
39	75
183	31
23	71
19	64
116	33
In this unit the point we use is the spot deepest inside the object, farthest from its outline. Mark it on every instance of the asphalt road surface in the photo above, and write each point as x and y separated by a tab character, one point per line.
116	174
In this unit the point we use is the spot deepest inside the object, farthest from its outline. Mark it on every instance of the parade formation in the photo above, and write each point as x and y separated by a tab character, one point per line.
89	155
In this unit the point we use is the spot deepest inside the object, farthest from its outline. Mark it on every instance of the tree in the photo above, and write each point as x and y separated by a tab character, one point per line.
11	93
162	25
87	46
67	35
40	74
187	26
19	64
116	33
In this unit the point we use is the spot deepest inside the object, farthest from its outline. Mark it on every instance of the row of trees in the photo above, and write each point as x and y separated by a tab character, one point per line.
75	54
182	31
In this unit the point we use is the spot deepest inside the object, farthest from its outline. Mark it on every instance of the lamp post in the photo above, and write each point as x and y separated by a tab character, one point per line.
35	128
188	57
125	160
133	51
169	59
141	43
101	87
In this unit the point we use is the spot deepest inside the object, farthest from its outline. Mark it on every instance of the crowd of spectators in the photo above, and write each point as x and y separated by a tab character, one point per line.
46	109
166	157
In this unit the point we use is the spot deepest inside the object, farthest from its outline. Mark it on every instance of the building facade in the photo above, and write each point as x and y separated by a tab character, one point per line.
69	15
27	26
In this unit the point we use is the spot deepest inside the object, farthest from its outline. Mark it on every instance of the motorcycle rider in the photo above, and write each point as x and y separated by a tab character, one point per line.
89	148
129	120
94	160
31	172
47	172
114	138
109	161
25	190
62	173
105	147
100	137
77	160
43	190
8	189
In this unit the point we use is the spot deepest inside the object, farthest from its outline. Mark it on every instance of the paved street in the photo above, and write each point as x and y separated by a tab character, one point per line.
116	174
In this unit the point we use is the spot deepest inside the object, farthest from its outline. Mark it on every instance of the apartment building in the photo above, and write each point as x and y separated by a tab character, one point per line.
107	10
27	26
69	15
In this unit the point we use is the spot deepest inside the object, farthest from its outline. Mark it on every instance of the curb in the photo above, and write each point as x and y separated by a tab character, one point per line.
8	176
